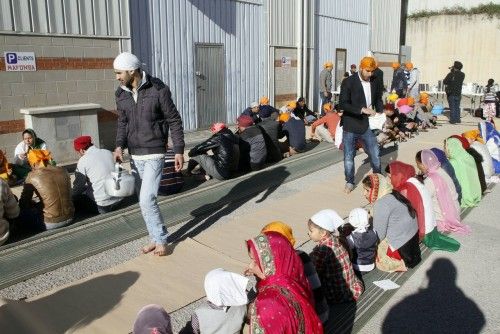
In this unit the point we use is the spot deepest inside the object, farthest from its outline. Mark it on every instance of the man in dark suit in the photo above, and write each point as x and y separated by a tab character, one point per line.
360	96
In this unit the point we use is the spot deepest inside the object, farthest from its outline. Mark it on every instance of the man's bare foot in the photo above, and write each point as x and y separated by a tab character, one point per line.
160	250
148	249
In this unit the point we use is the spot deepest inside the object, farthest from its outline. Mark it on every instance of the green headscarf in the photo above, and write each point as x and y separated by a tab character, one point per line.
465	169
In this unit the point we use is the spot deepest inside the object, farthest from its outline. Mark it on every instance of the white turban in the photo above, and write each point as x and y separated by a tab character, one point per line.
327	219
126	61
224	288
358	218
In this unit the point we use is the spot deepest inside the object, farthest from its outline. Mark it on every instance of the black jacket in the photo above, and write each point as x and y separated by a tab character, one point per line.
143	126
352	100
271	130
225	147
453	82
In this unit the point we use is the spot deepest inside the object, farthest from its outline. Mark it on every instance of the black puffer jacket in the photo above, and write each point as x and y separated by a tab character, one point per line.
225	147
143	126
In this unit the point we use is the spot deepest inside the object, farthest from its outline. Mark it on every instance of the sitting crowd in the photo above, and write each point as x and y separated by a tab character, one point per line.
406	207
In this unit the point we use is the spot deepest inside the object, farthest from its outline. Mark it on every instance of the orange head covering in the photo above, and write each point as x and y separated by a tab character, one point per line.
474	135
409	66
264	100
411	101
284	117
328	64
327	107
368	63
282	229
292	105
37	156
395	65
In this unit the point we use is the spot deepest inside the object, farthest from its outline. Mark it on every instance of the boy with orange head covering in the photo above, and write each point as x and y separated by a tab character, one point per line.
413	81
325	127
325	83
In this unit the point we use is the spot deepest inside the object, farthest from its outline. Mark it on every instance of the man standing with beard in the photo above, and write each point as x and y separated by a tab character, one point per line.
146	113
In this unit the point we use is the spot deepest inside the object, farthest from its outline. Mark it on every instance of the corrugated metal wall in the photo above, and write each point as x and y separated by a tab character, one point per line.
75	17
385	26
164	34
342	24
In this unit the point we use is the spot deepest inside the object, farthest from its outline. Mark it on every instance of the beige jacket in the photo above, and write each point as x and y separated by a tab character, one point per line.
8	209
53	186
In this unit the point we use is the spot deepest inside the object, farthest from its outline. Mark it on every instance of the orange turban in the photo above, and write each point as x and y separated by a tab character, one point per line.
328	64
280	228
327	107
409	66
292	105
473	135
411	101
395	65
36	156
264	100
284	117
368	63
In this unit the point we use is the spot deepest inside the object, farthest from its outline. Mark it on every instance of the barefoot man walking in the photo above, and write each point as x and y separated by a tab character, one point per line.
146	113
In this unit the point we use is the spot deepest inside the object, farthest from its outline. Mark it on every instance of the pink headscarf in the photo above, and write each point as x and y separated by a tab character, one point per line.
451	213
285	290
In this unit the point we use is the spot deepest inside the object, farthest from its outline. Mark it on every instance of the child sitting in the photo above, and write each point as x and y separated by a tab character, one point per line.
362	240
226	305
332	259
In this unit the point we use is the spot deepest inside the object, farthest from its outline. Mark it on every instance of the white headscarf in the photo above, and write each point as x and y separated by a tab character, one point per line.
358	218
126	61
224	288
327	219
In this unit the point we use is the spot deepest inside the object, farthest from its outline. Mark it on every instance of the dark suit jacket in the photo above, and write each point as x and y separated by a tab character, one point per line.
352	100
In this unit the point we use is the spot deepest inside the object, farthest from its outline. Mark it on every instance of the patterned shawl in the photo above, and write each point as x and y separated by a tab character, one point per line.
284	301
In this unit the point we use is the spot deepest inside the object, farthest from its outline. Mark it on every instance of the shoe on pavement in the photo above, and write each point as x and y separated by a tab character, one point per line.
348	188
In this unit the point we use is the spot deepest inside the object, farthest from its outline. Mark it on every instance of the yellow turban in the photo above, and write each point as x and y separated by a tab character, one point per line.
327	107
368	63
392	97
264	100
282	229
328	64
284	117
473	135
409	66
36	156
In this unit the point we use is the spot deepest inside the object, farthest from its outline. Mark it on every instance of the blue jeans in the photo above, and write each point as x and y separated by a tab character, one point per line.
371	146
147	175
454	104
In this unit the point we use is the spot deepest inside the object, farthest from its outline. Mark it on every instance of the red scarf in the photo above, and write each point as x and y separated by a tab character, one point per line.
400	173
284	302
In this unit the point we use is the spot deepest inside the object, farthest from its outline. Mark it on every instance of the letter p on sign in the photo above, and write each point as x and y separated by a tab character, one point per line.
11	58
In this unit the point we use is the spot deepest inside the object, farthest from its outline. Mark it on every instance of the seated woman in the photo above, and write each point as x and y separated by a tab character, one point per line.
30	141
444	197
284	302
152	319
465	169
477	143
491	138
394	221
226	305
403	180
478	159
448	168
310	272
225	148
303	112
53	186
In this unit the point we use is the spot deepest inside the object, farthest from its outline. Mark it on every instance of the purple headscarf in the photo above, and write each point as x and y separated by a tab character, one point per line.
450	211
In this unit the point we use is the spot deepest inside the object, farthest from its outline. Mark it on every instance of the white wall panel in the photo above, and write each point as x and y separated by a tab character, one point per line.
385	26
164	35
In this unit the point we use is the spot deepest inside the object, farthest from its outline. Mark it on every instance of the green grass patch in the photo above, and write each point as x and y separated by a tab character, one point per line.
491	10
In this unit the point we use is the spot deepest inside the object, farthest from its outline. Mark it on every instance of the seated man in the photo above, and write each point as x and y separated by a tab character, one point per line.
253	151
9	209
253	112
265	110
303	112
225	148
271	129
330	120
52	185
93	167
295	131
